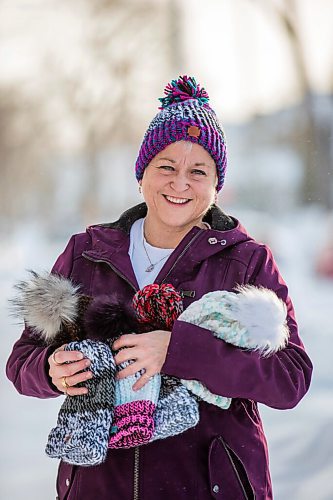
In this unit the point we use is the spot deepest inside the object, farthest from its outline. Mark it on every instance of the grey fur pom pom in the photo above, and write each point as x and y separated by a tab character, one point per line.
45	302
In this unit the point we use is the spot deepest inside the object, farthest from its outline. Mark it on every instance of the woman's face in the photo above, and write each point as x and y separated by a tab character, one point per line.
179	185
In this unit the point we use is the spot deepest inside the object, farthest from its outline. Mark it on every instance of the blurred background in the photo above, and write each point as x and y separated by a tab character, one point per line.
79	83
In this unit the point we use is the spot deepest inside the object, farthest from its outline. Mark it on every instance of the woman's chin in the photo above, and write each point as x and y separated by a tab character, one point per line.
176	221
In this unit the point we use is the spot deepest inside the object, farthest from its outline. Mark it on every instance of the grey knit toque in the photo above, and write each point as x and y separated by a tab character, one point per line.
84	422
176	411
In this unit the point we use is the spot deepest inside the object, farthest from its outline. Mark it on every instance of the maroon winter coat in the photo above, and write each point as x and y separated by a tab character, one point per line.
225	455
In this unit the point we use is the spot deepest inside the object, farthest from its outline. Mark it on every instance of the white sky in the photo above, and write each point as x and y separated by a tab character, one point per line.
242	52
233	47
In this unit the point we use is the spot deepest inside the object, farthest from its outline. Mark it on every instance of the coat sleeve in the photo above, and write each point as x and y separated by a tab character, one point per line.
27	365
279	381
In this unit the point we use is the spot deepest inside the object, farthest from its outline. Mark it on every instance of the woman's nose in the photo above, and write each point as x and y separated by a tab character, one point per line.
180	183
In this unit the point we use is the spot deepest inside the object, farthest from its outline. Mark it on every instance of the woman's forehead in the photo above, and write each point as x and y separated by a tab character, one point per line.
195	153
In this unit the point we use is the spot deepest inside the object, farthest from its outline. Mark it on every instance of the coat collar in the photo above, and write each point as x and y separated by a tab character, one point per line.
215	217
110	243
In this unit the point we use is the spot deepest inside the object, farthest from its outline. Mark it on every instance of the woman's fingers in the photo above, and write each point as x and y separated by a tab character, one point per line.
76	391
72	381
142	381
149	352
79	377
60	356
66	381
67	370
126	355
131	369
128	340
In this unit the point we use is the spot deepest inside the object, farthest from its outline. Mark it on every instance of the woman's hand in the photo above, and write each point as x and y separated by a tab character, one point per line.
66	375
148	350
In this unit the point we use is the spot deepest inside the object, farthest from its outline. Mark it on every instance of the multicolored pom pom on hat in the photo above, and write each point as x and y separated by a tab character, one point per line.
183	89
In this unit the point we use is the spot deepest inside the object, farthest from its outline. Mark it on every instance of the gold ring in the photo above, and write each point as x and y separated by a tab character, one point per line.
147	376
54	360
64	383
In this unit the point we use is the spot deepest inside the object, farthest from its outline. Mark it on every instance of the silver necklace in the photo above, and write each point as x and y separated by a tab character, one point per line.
151	264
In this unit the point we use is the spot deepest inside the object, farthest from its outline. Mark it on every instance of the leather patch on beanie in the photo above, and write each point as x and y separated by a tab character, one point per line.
193	131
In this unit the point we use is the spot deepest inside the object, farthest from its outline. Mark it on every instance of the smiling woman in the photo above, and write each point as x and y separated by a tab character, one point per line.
180	419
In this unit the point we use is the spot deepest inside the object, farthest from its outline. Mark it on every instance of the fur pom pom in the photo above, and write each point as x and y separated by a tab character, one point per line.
45	302
107	317
263	315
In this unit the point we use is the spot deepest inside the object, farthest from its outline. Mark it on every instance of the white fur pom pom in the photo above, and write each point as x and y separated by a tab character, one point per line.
264	316
44	302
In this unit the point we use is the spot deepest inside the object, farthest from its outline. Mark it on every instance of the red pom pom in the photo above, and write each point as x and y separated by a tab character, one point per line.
158	304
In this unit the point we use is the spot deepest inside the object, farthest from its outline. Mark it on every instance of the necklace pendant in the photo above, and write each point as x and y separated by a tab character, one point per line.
150	268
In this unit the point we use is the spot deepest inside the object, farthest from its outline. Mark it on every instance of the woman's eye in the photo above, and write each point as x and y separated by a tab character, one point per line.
199	172
166	167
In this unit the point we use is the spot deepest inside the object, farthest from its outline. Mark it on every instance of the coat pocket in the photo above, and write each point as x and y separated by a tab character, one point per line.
66	489
227	474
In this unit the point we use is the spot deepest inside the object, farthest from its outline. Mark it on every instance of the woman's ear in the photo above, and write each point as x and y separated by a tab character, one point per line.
216	192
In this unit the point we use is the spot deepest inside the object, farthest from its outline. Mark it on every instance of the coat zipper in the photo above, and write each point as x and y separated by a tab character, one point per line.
103	261
137	449
234	467
136	473
181	255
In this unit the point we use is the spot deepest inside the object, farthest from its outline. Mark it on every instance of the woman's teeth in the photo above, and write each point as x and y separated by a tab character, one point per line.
179	201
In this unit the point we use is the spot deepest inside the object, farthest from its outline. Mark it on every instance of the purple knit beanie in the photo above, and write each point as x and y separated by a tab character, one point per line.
185	116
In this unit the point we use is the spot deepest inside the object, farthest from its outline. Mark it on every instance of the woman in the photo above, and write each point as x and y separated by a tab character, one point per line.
178	236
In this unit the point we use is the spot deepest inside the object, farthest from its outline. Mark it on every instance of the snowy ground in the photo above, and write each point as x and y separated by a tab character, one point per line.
300	440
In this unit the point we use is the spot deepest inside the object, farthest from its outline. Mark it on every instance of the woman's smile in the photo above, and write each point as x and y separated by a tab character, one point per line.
176	201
